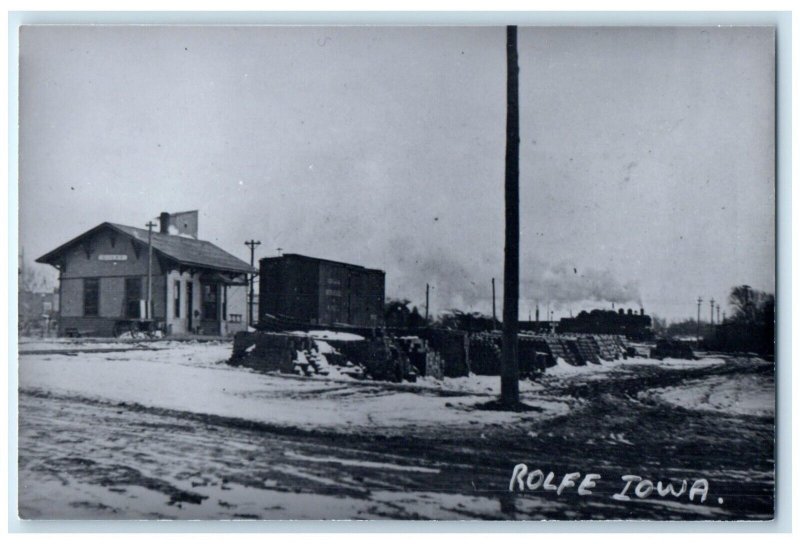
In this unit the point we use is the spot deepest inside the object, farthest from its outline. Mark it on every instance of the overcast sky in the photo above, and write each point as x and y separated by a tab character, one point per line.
647	155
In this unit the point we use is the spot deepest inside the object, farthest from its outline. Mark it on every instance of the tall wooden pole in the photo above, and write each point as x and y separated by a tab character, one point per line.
427	301
699	302
149	309
494	308
252	245
509	379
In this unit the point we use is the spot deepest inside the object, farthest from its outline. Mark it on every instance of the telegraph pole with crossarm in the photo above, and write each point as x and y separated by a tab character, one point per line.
252	244
148	311
699	302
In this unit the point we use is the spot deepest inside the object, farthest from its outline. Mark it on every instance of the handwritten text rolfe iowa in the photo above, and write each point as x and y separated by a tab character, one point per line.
631	486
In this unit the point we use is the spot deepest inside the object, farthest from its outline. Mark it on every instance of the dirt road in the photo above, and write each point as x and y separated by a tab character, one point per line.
86	458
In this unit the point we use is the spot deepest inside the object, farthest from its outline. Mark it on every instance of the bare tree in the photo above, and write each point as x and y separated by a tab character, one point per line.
751	305
33	280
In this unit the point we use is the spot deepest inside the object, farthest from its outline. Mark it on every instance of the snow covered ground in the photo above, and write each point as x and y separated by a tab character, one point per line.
744	394
28	345
565	371
175	432
193	377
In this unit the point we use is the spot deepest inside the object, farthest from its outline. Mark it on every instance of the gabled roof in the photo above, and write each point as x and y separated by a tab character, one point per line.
181	249
319	260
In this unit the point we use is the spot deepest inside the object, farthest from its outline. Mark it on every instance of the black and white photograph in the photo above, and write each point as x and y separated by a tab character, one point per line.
396	272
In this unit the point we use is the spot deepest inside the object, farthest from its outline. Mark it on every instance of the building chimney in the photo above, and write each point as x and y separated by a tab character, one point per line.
164	220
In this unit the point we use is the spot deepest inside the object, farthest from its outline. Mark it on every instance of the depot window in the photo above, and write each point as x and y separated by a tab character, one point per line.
177	298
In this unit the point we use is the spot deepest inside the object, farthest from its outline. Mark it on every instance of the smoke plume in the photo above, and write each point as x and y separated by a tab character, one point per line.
456	283
564	283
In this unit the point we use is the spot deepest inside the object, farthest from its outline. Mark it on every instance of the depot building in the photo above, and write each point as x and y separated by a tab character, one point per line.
195	287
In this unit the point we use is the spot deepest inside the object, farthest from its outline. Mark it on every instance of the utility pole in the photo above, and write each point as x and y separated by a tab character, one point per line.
148	311
427	301
252	244
509	379
494	309
699	302
711	302
718	321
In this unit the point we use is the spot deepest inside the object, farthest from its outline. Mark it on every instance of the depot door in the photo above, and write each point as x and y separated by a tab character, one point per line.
133	296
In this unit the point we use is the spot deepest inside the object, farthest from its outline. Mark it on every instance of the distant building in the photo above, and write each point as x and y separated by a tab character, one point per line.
196	286
320	292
